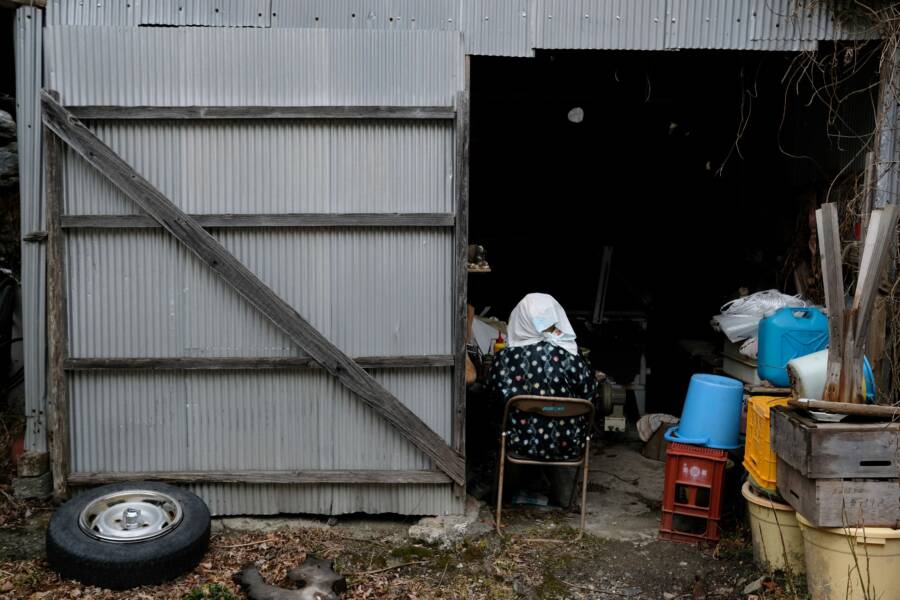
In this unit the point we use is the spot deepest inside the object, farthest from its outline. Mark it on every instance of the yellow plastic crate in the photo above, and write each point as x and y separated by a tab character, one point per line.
759	456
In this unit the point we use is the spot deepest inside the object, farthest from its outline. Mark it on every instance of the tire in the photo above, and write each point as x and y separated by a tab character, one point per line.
116	565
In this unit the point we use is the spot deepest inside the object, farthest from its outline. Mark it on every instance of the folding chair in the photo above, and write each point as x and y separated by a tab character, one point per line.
548	407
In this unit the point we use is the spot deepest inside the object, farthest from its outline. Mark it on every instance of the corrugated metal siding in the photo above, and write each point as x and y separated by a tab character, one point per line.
93	12
329	499
888	172
215	13
505	27
887	169
246	420
110	13
395	15
259	420
498	28
29	61
715	24
372	292
601	24
852	131
275	166
247	67
808	20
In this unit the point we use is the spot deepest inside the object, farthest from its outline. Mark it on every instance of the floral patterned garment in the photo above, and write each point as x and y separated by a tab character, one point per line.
543	369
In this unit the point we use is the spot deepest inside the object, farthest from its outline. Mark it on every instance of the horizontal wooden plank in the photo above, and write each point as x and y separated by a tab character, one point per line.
264	477
843	450
763	390
263	112
848	408
268	220
35	237
840	502
234	363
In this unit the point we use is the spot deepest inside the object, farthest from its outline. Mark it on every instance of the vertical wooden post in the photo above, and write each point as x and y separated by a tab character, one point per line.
461	243
833	282
57	327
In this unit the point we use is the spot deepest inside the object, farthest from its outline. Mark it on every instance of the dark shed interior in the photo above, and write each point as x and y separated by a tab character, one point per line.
697	168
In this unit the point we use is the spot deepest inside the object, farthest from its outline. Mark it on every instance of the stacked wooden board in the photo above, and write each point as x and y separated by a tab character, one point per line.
838	474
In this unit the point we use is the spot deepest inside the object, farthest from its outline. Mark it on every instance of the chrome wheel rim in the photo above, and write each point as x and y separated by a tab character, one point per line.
130	516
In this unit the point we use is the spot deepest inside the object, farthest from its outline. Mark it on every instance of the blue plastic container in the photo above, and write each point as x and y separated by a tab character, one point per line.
712	413
869	380
788	334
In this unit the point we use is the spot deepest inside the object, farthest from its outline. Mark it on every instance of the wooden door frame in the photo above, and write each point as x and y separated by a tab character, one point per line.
62	126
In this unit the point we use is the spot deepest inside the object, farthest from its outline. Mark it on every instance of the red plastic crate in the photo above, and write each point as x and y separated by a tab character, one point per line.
692	498
686	528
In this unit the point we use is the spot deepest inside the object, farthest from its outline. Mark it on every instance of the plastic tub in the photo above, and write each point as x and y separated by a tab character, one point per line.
777	541
851	563
712	413
759	456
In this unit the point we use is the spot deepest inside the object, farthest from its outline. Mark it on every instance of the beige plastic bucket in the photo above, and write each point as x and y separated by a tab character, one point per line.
775	532
834	573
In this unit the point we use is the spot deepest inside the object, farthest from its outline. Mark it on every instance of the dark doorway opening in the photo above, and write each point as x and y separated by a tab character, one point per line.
698	169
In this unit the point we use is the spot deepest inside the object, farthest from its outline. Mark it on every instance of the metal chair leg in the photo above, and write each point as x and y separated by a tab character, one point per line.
584	486
500	471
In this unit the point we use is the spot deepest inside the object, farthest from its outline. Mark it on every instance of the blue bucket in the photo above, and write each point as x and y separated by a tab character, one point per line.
712	413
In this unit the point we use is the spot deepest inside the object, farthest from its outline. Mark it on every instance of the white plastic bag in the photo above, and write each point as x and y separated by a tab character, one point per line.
740	317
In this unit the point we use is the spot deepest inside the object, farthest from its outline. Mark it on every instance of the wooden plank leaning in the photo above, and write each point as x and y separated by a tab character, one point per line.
57	327
877	248
248	285
833	281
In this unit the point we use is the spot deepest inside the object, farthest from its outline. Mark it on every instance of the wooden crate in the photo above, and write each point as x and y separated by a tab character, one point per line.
836	450
841	502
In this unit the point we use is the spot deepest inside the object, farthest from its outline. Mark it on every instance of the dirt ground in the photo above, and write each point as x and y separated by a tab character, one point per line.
620	557
385	564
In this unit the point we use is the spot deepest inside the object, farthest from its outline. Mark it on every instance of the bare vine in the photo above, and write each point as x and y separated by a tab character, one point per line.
831	77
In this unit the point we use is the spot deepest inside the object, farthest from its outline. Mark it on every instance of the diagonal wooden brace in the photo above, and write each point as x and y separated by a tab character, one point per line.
247	284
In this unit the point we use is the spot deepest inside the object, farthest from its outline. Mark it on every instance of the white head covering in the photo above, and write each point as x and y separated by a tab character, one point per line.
536	313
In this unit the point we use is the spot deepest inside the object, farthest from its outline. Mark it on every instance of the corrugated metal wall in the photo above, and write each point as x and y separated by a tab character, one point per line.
324	167
221	13
713	24
507	27
373	292
497	28
138	293
807	20
887	168
601	24
29	52
379	292
247	66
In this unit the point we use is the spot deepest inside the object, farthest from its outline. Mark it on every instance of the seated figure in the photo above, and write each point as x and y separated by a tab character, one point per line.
542	359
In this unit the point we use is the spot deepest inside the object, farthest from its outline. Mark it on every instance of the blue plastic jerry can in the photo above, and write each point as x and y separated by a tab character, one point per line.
787	334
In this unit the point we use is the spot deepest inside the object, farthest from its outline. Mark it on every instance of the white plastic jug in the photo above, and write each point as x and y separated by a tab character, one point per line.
808	376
